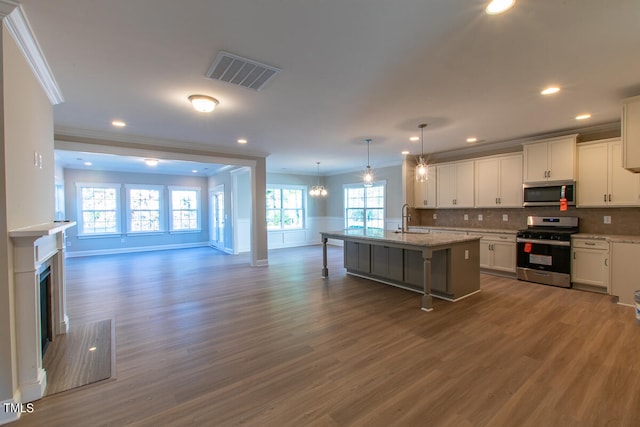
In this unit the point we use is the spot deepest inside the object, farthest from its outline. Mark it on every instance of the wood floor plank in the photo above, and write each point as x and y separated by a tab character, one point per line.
203	338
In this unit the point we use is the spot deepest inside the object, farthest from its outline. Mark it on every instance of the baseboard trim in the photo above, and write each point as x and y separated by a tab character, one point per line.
261	263
7	416
135	249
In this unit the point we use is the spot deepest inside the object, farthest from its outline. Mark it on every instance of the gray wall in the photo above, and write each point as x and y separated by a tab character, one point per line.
393	198
316	206
78	245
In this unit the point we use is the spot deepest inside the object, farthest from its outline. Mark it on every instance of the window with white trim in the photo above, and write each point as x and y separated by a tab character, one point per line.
185	208
98	209
144	208
285	207
364	206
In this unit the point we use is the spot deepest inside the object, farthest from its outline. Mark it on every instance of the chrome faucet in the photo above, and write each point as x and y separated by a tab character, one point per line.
406	217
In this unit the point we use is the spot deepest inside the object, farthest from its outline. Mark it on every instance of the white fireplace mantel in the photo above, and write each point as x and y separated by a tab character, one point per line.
34	249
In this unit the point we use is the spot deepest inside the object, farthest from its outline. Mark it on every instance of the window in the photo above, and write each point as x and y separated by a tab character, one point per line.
144	209
285	208
364	206
185	208
99	208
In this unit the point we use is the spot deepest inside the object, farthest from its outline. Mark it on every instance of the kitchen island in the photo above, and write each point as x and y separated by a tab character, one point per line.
443	265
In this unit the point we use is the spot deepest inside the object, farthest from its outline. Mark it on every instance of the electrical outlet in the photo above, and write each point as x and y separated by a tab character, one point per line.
505	217
480	217
466	254
607	219
435	216
466	217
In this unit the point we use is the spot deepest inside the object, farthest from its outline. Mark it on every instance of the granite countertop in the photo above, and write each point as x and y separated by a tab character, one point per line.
410	238
465	229
617	238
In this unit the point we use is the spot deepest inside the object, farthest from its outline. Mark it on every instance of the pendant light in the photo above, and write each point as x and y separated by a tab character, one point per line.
422	169
318	190
368	173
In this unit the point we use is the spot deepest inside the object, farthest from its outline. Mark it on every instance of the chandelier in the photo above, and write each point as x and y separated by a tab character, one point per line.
318	190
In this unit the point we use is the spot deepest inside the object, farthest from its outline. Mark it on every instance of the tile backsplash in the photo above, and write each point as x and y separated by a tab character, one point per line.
623	220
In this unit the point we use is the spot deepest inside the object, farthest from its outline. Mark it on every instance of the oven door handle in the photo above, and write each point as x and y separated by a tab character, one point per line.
543	242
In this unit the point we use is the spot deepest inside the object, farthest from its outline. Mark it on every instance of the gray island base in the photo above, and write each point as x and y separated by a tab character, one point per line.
445	266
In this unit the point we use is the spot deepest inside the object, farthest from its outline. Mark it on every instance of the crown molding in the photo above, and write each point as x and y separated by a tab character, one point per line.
20	29
6	7
70	134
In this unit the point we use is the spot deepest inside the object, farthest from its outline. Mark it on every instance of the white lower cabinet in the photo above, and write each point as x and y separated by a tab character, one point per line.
625	271
497	251
590	264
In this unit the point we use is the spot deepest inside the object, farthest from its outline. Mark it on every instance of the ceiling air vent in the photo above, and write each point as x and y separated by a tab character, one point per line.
240	71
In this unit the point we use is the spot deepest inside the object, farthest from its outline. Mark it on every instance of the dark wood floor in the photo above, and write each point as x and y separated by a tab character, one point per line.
203	339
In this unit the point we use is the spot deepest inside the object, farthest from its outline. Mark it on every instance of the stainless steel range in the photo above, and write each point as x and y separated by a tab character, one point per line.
544	250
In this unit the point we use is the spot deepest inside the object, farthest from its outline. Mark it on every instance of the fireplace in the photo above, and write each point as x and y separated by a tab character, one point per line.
46	322
40	300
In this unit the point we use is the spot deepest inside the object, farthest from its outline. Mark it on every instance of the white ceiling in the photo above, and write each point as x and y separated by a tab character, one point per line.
351	70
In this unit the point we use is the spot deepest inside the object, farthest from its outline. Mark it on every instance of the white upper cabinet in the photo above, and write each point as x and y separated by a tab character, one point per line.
550	160
425	192
498	181
631	133
602	179
454	183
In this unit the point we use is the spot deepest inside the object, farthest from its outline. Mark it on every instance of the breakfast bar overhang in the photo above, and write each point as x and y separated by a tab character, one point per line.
442	265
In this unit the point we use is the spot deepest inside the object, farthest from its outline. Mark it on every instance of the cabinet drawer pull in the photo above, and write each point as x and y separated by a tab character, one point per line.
590	243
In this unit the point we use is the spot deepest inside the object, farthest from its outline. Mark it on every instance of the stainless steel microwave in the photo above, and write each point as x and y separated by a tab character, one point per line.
549	193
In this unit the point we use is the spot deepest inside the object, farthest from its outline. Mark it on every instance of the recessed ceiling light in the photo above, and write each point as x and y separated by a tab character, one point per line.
242	141
194	170
496	7
414	138
88	163
151	162
203	103
550	90
583	116
472	139
118	123
405	152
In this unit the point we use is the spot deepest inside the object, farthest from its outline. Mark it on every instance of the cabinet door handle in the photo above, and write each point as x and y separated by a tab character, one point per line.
606	262
548	174
609	197
605	198
574	255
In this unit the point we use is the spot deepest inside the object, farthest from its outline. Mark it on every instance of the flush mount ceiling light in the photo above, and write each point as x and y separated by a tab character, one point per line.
203	103
472	139
318	190
583	116
242	141
497	7
151	162
550	90
118	123
367	178
422	169
414	138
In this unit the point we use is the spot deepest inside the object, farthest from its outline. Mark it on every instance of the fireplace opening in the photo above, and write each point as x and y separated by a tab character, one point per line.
46	331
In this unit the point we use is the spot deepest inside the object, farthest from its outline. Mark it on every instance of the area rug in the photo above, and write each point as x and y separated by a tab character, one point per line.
82	356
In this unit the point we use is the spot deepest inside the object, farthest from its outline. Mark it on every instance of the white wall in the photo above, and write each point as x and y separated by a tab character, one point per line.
27	193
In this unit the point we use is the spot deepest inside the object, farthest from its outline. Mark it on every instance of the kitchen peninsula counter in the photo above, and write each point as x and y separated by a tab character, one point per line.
443	265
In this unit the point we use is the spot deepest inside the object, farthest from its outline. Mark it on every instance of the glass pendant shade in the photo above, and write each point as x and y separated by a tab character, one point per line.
422	168
422	171
367	178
